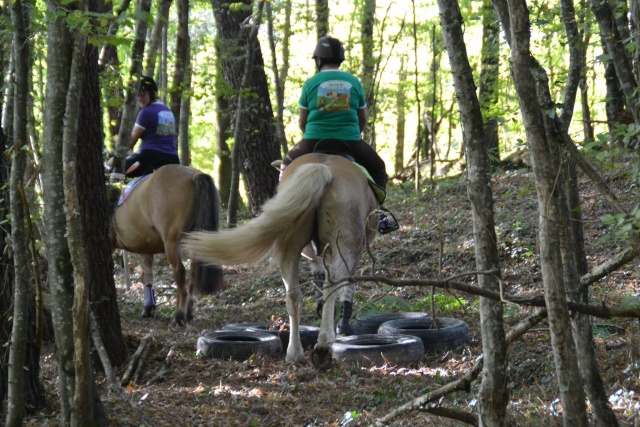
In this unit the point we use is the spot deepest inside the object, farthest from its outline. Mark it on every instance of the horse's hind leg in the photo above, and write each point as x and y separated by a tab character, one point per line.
289	271
184	303
147	279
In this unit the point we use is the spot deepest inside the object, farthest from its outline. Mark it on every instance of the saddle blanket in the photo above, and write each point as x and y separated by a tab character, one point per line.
379	192
127	189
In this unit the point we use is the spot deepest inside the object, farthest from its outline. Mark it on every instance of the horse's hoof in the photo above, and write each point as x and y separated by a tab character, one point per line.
321	358
148	312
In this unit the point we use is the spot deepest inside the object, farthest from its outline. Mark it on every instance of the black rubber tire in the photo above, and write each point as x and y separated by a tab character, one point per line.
370	324
238	345
452	333
377	350
308	334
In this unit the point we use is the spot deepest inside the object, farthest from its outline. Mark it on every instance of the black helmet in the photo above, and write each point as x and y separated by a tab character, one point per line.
148	84
330	50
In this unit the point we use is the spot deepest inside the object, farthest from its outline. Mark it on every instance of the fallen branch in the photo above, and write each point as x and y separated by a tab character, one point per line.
139	368
166	364
112	380
126	377
463	383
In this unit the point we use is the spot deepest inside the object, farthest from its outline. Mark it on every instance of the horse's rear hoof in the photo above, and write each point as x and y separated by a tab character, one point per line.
321	358
148	312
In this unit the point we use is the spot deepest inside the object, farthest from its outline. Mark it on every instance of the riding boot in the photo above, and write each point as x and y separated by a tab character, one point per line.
343	327
149	301
388	222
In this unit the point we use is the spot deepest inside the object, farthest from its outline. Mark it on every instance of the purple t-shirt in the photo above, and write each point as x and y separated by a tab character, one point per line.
159	128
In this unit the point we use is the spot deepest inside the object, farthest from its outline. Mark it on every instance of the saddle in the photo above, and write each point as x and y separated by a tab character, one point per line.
338	147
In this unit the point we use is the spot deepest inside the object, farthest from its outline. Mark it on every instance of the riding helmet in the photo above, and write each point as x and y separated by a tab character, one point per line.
148	84
329	49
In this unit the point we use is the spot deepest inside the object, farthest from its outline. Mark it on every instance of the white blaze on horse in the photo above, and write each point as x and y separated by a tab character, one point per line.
153	219
323	210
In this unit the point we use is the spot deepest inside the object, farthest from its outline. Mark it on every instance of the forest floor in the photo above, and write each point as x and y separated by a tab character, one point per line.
435	241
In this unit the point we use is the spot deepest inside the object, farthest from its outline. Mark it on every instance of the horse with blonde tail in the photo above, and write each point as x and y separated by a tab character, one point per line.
323	211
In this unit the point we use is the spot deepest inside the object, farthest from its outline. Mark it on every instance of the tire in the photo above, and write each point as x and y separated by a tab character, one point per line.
238	345
452	333
370	324
377	350
308	334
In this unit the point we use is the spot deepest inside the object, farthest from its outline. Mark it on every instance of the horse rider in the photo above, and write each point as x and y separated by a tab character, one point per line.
333	106
156	126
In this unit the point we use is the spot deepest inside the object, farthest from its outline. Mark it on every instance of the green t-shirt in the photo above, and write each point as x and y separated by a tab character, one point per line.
333	98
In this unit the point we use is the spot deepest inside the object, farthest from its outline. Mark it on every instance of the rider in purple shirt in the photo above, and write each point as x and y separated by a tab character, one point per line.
156	126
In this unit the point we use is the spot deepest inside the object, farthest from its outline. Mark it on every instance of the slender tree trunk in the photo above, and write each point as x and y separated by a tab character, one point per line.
130	109
322	18
155	37
416	87
367	22
223	132
182	61
280	76
6	273
185	114
615	106
533	92
401	99
21	321
613	41
493	397
60	270
489	74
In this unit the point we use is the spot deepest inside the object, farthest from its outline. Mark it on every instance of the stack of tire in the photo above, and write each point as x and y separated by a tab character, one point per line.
395	338
238	341
398	339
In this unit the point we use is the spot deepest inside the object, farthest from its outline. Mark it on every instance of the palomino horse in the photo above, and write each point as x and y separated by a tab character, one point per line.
323	206
153	218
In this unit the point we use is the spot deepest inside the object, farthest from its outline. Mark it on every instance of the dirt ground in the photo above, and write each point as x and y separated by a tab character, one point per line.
435	241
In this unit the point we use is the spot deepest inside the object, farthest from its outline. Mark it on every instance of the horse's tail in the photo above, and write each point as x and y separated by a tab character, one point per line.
206	278
301	193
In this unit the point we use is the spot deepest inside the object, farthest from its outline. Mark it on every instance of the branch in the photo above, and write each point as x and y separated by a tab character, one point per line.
601	311
112	380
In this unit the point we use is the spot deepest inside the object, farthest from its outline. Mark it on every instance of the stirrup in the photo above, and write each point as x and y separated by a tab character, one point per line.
388	222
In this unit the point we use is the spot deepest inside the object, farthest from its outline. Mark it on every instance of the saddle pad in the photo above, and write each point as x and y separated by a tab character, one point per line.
127	189
377	190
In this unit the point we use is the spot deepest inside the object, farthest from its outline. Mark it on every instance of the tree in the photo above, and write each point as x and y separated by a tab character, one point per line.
493	397
530	80
489	74
257	146
367	22
322	18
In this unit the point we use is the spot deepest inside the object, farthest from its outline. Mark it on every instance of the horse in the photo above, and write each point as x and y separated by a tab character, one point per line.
323	211
153	218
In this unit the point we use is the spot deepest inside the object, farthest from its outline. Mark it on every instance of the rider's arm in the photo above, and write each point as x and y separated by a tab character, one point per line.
302	121
362	118
136	134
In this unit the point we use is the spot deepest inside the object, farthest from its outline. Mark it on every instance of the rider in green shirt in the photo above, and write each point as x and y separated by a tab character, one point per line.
333	106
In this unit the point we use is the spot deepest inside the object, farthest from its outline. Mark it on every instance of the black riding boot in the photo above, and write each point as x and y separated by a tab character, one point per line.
388	222
343	327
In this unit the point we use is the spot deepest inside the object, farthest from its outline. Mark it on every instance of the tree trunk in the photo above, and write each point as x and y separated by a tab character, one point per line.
615	47
155	37
185	114
24	350
280	76
401	99
223	132
533	94
130	109
60	270
180	83
6	272
489	73
257	145
322	18
95	213
493	397
367	21
615	98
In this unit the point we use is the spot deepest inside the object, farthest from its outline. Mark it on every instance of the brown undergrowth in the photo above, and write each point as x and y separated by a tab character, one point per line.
435	241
